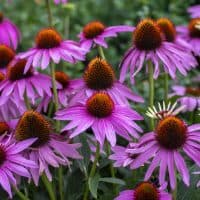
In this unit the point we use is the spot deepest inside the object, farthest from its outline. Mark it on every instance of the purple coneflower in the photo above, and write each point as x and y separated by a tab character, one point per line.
13	163
11	109
64	92
144	191
149	45
49	45
60	1
165	144
191	34
50	148
95	32
170	35
100	76
10	34
17	84
105	117
6	56
194	11
189	97
122	157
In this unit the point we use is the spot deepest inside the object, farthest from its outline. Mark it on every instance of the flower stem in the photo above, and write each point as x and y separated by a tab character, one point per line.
166	82
151	90
93	170
112	171
49	13
49	187
60	182
174	194
101	53
55	94
20	194
28	106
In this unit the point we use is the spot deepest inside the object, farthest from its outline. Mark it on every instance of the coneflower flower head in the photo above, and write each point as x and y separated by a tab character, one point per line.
144	191
49	45
17	83
150	44
48	149
104	116
171	137
191	34
6	56
100	76
12	163
10	35
95	32
188	96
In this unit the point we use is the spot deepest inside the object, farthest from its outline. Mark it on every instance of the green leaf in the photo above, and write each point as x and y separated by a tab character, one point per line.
85	152
112	180
93	185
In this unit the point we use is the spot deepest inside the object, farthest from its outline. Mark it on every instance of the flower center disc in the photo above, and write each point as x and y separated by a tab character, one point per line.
193	91
146	191
62	78
99	75
6	55
93	29
194	28
2	155
168	29
48	38
147	35
4	128
16	72
100	105
1	17
2	76
33	125
171	132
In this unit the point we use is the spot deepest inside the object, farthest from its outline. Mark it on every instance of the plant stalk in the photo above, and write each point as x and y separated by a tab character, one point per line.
101	53
49	187
92	172
151	91
166	86
20	194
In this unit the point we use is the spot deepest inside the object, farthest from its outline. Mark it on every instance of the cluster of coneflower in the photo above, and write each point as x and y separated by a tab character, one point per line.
31	141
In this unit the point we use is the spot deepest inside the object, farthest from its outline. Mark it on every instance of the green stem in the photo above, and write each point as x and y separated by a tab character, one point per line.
50	109
49	187
92	172
101	53
151	90
166	87
60	182
49	13
27	103
112	171
20	194
174	194
66	24
55	94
